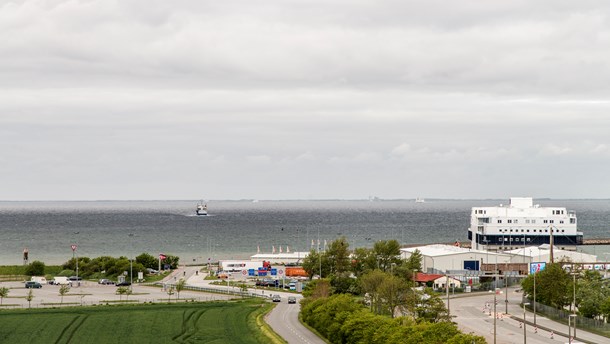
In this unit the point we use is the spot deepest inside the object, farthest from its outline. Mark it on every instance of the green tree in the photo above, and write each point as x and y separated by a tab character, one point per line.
431	308
316	263
338	256
363	261
179	287
393	292
344	284
553	286
387	253
317	289
122	291
35	268
370	283
63	290
170	292
3	293
591	294
173	261
414	261
29	297
605	309
148	261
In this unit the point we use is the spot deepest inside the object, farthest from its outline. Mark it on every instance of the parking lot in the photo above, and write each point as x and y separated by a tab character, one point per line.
92	293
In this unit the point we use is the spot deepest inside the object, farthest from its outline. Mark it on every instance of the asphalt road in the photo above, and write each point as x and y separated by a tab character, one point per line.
283	319
468	313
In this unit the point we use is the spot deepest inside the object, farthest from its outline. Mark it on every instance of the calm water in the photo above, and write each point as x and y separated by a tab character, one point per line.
234	229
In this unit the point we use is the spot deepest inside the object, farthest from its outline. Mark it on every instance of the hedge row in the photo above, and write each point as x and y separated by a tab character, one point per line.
340	319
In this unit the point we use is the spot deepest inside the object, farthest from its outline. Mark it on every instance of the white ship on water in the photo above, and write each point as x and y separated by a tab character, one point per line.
420	200
202	209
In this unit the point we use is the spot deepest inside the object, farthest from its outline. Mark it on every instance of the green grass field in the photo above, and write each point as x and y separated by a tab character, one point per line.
211	322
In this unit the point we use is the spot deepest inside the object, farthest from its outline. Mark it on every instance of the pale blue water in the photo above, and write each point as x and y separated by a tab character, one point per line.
234	229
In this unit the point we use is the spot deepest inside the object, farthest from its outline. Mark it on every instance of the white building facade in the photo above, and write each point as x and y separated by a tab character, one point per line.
442	258
522	223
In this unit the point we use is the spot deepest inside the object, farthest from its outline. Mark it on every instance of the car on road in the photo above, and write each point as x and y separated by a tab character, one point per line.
105	281
75	278
32	284
292	299
276	298
123	284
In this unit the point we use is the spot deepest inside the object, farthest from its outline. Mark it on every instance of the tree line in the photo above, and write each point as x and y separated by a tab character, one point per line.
557	287
104	266
369	295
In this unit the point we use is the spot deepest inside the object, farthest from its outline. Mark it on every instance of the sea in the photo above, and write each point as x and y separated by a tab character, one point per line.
240	229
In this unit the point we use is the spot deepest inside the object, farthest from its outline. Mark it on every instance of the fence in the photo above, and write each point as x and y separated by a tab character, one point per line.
592	325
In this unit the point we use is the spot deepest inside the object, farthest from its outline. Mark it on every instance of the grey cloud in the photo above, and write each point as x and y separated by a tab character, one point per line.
130	99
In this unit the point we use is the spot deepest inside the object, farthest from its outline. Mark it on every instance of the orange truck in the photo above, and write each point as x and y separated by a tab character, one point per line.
295	272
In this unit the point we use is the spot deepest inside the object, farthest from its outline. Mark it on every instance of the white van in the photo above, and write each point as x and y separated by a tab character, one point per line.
39	279
61	280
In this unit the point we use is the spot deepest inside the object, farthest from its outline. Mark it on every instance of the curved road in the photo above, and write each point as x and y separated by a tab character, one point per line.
283	319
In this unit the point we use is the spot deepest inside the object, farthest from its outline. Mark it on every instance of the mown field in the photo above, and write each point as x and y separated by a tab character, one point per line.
212	322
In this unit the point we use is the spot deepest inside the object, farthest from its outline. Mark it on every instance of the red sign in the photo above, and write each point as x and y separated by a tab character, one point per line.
244	272
162	256
73	247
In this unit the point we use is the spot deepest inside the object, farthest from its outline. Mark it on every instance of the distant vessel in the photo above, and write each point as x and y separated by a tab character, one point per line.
420	200
202	209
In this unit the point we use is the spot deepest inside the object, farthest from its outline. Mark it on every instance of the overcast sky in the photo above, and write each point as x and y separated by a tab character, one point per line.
304	99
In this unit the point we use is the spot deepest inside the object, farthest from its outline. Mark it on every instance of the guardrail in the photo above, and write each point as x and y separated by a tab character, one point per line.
211	290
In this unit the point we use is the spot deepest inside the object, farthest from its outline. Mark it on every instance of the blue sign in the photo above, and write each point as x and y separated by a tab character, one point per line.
273	272
251	272
537	267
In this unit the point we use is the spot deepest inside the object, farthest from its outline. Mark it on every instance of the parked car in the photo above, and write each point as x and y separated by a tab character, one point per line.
276	298
151	271
75	278
292	299
123	284
32	284
105	281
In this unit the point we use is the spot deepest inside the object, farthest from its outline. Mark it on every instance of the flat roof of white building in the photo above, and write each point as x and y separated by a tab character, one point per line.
438	250
285	255
545	250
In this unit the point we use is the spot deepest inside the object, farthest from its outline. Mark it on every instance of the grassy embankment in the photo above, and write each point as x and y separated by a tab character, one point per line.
17	272
212	322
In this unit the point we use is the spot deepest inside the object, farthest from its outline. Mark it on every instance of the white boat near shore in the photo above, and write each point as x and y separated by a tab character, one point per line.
420	200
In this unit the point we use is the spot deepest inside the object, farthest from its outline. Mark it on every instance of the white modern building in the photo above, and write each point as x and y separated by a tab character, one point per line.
522	223
441	258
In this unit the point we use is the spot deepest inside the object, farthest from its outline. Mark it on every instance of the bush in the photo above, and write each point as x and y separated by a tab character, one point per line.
35	268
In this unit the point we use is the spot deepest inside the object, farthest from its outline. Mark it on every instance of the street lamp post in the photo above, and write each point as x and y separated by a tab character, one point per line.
535	297
447	287
524	324
131	262
570	327
574	300
506	292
